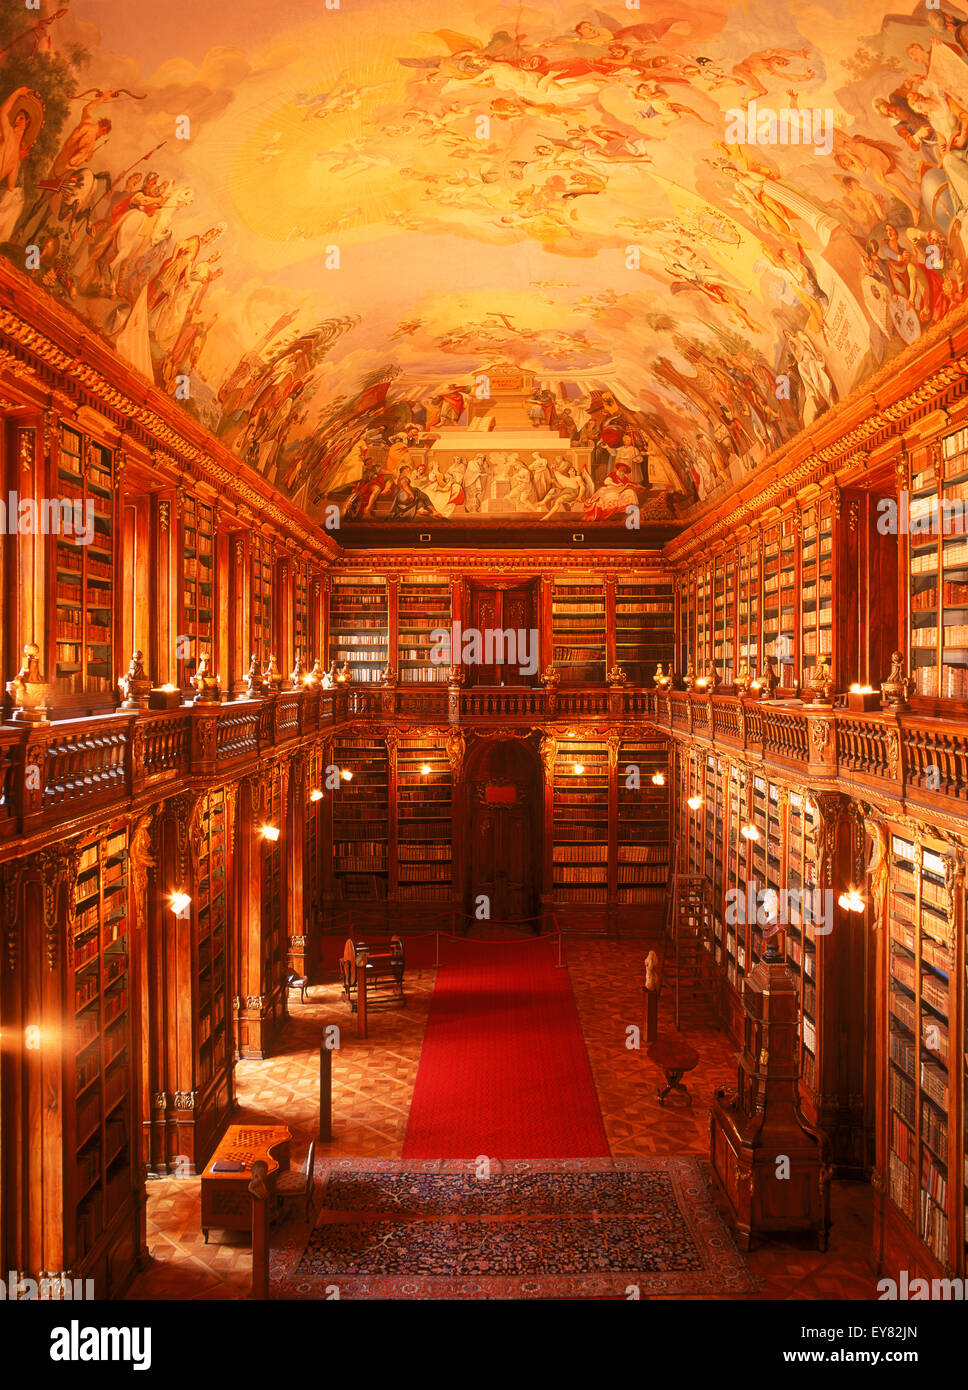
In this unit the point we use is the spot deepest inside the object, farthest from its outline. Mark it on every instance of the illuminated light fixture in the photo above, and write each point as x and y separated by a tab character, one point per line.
579	768
270	832
315	794
852	901
749	832
658	779
694	803
425	770
856	689
169	687
346	775
179	902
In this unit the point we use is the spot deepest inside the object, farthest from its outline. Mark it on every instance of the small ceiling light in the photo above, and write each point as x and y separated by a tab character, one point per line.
579	769
694	803
749	832
270	832
852	901
425	770
346	775
658	779
179	903
315	794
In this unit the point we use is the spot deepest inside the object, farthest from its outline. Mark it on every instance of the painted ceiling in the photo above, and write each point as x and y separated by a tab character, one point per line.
690	229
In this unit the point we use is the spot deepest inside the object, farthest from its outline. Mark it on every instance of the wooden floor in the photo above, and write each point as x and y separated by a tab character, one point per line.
372	1085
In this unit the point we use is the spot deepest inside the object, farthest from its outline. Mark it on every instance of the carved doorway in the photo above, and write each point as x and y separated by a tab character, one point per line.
497	608
503	809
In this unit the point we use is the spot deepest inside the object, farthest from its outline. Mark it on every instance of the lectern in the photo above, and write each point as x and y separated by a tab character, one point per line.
770	1162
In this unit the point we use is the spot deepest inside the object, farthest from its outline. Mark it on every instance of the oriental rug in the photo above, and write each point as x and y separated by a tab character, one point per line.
525	1229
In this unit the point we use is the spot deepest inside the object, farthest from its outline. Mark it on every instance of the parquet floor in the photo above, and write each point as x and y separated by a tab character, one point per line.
372	1085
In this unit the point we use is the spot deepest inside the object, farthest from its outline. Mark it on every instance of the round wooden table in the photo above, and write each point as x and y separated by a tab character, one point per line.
675	1056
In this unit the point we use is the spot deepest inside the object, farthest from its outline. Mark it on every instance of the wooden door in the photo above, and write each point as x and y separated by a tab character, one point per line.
496	609
503	817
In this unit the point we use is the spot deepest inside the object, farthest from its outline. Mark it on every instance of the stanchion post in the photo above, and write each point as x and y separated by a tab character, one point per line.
361	959
325	1093
260	1230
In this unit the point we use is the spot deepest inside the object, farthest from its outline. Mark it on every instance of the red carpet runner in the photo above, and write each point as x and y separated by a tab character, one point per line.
503	1070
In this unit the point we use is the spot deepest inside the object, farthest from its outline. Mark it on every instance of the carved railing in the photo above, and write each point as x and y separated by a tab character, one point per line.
63	771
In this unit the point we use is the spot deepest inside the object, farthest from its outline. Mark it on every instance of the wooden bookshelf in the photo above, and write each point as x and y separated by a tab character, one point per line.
301	624
702	648
691	862
578	630
314	848
100	1150
361	820
938	570
358	626
213	1061
197	629
803	948
712	814
274	940
816	584
748	648
84	574
580	818
261	594
423	605
724	618
922	1063
424	821
644	628
736	877
642	849
779	604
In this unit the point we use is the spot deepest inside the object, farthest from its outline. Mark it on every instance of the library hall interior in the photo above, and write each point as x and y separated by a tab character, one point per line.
484	651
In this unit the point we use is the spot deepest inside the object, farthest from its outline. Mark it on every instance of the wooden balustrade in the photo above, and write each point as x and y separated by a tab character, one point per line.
59	771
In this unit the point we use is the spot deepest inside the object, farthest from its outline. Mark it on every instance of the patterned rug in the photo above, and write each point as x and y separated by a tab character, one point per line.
565	1228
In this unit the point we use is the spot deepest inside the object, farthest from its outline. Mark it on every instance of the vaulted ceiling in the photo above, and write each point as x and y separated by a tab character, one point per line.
312	230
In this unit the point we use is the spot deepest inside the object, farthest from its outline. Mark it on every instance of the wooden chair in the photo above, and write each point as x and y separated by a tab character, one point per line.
300	982
296	1186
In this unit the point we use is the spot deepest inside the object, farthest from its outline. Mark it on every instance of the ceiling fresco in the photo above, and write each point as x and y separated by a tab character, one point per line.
479	261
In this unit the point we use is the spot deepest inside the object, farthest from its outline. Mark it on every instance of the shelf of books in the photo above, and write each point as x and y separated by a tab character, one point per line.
766	866
644	628
736	847
702	652
748	605
274	942
361	827
724	617
578	630
800	937
213	1035
84	572
580	802
301	627
816	584
920	1003
424	821
642	849
713	811
423	607
780	599
687	620
102	1067
260	589
358	625
938	567
313	847
198	586
691	845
